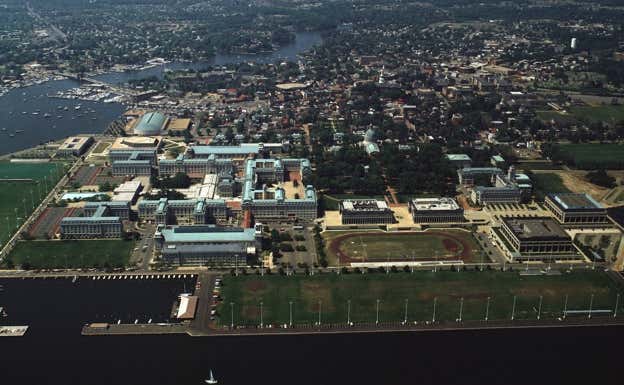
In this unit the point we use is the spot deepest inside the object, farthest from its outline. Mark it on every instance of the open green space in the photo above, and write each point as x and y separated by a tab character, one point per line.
331	292
556	116
71	254
367	246
544	183
18	198
591	156
606	113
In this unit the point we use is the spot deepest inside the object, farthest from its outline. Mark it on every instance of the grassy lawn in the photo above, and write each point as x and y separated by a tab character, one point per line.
593	155
379	246
556	116
101	146
72	254
544	183
419	288
17	198
605	113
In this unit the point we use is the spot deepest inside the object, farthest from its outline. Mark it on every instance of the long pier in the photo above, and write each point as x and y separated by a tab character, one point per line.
184	328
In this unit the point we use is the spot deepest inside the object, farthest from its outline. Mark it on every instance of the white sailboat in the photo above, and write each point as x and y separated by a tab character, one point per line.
211	380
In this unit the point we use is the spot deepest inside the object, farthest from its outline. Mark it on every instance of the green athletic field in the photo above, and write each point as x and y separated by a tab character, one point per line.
367	246
71	254
19	196
592	155
332	292
544	183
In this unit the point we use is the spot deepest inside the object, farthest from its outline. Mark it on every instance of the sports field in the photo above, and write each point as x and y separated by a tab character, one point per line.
332	292
71	254
591	156
607	113
19	197
372	246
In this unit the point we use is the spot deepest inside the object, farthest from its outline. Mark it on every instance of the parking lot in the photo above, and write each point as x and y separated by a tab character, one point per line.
49	222
298	237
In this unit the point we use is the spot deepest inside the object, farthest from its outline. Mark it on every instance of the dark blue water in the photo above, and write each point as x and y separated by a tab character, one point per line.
17	106
53	352
304	41
38	129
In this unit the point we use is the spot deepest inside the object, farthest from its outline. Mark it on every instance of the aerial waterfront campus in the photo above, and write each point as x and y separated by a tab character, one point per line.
353	174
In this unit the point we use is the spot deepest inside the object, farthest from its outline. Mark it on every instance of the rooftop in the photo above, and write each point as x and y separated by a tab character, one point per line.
207	233
458	157
536	228
151	124
135	143
572	201
441	204
363	205
226	150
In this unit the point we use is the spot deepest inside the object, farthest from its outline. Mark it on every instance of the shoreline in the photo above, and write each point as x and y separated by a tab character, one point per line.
177	328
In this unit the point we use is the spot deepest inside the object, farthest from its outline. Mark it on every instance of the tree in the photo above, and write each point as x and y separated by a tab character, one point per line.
601	178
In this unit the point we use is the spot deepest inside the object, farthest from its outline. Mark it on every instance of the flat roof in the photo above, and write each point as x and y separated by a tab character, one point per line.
226	150
179	124
207	233
572	201
135	142
363	205
457	157
74	142
435	204
536	228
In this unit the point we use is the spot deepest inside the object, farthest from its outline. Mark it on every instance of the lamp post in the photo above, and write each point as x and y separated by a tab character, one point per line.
232	315
591	306
405	318
435	302
565	307
349	312
487	309
513	308
261	315
377	316
617	302
461	309
539	309
320	303
290	311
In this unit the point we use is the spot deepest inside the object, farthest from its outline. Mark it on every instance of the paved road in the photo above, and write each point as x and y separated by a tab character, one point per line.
206	283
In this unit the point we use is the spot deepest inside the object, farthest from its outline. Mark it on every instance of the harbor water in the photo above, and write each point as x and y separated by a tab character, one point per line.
28	117
54	352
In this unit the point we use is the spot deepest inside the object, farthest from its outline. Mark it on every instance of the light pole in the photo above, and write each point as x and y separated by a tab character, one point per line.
290	319
232	315
461	309
320	307
349	312
435	302
405	318
565	307
487	309
25	213
591	306
32	199
617	302
261	315
539	309
377	317
513	308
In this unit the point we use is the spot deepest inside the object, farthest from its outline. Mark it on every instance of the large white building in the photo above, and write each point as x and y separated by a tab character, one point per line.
102	223
435	210
207	244
271	203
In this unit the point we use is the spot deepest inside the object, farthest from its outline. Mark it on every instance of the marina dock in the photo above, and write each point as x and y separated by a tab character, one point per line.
13	331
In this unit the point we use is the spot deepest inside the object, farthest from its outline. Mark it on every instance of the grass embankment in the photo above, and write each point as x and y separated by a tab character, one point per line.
332	292
19	197
71	254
